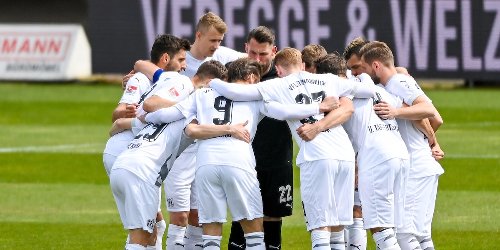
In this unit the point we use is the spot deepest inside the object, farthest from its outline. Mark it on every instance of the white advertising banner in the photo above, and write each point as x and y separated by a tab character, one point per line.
44	52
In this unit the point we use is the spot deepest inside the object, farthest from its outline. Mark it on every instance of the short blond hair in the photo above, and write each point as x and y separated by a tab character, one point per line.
288	57
311	53
211	20
377	51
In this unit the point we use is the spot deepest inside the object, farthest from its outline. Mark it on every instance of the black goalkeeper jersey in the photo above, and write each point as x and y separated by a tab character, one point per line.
272	144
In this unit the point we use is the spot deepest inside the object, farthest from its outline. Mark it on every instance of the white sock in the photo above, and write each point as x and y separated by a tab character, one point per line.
134	247
151	247
211	242
408	242
337	240
320	240
175	237
255	241
160	230
386	239
356	235
193	239
426	242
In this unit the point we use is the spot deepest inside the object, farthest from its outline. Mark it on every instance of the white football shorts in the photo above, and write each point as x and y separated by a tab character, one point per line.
136	200
327	191
420	200
382	191
179	184
220	187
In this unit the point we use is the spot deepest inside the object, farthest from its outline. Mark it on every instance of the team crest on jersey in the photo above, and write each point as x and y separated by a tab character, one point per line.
173	92
131	89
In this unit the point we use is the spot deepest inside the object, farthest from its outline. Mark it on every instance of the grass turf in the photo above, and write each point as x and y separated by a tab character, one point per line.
55	193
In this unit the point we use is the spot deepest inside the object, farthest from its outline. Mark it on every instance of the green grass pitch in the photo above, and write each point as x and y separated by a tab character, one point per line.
54	192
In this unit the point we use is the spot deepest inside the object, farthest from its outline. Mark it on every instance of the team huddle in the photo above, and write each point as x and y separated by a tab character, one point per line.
214	126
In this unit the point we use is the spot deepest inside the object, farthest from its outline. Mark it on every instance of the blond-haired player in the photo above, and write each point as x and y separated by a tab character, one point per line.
378	61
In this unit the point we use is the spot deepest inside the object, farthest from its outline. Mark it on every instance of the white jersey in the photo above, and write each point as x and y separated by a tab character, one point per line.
171	86
209	107
152	152
375	140
305	88
136	86
422	162
222	54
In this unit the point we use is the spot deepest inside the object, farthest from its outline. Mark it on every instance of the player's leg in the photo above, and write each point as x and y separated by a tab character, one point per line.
320	208
425	239
277	196
193	239
137	204
355	234
212	205
380	189
245	203
344	179
419	208
177	193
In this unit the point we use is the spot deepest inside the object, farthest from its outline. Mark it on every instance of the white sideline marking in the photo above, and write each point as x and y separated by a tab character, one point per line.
472	156
89	147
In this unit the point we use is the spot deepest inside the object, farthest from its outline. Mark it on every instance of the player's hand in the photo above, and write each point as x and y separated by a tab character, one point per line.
126	78
308	132
239	132
328	104
131	110
385	111
142	118
437	153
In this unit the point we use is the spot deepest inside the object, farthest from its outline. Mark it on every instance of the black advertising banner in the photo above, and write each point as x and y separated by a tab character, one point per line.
432	38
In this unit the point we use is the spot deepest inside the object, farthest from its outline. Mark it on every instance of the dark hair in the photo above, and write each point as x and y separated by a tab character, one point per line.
242	68
168	44
331	63
262	34
212	69
353	47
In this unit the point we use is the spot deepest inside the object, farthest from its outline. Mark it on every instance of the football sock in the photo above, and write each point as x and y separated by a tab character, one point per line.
236	238
337	240
385	239
175	237
211	242
356	235
408	242
426	242
272	234
320	240
134	247
193	239
160	230
255	241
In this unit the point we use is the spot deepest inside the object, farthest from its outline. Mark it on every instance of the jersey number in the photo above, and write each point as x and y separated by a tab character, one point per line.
286	192
305	99
224	106
153	136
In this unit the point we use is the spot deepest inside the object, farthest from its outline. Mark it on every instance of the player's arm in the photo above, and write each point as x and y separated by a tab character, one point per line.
363	87
181	110
334	118
236	92
156	102
280	111
148	68
120	125
420	109
207	131
124	110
